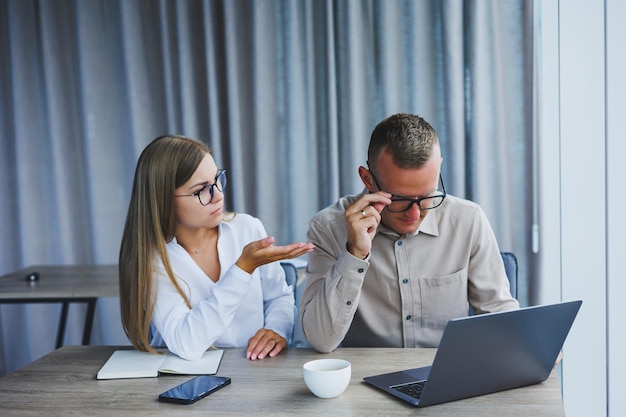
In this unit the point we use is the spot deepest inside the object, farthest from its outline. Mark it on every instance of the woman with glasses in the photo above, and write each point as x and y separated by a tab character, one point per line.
192	275
393	264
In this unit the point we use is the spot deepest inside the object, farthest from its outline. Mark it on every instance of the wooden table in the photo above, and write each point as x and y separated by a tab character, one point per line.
63	383
62	284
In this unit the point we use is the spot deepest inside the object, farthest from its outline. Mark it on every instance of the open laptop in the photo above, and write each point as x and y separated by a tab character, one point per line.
486	353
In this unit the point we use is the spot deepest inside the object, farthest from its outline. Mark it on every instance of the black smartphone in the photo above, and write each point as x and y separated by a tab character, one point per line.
191	391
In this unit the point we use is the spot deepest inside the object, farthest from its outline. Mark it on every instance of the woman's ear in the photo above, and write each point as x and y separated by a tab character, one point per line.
366	177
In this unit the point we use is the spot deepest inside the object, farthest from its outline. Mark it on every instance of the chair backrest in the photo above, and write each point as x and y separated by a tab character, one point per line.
291	274
510	266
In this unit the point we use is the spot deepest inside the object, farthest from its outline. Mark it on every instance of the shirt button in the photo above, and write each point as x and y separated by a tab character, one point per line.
399	243
349	303
408	317
361	270
405	281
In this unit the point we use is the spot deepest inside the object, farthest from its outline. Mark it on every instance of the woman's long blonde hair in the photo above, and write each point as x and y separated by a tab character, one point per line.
164	165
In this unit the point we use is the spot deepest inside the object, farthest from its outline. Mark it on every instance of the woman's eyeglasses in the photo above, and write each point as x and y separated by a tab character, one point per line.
205	194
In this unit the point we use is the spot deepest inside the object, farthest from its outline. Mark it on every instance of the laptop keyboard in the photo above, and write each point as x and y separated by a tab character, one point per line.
413	389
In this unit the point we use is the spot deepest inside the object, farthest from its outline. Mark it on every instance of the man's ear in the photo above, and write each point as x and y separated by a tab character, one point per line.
366	177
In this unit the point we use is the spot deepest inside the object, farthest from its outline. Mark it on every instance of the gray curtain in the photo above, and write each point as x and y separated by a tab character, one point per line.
285	92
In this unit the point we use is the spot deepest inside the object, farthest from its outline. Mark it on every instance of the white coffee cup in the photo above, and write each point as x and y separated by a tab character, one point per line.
327	378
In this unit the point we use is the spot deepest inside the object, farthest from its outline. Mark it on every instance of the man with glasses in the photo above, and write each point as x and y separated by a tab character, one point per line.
392	265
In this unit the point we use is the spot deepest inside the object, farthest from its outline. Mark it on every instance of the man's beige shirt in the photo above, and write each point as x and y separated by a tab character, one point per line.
408	288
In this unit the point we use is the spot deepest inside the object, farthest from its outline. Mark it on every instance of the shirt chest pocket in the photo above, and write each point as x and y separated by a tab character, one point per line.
443	298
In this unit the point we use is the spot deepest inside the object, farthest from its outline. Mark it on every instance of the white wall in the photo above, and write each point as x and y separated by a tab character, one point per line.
582	100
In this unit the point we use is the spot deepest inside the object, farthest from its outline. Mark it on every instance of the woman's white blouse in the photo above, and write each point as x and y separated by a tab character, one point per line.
227	313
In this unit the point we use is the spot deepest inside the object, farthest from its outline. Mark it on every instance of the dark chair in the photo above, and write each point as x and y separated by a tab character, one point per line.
291	274
510	266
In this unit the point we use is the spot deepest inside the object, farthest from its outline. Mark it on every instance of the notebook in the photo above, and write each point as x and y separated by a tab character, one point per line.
136	364
486	353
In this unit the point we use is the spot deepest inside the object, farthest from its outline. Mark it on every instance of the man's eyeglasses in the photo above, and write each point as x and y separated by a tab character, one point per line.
205	194
429	202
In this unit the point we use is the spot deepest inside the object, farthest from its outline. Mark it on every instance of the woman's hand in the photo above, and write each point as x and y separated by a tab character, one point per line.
263	251
265	342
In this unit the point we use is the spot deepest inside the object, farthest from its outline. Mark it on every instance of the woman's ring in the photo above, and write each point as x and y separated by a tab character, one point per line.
362	214
273	340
